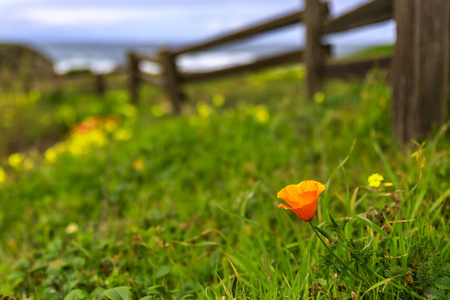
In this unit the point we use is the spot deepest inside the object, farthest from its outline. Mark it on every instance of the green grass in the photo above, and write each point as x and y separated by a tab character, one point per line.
197	217
374	51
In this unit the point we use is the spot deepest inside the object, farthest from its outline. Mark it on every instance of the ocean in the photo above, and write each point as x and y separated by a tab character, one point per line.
103	58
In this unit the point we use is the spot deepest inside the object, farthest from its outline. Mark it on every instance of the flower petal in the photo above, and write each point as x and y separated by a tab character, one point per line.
298	211
306	212
311	191
311	185
290	194
306	198
282	205
302	198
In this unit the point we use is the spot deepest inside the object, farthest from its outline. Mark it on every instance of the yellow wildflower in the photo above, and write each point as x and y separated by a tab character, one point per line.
96	137
2	175
110	125
76	149
375	180
15	159
319	97
261	114
122	134
204	111
28	163
50	155
71	228
138	164
218	100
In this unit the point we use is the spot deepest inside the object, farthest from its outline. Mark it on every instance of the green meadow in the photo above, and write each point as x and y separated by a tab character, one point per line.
100	199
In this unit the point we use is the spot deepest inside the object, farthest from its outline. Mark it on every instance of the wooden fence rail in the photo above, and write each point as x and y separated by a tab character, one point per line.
151	79
277	60
283	21
373	12
315	55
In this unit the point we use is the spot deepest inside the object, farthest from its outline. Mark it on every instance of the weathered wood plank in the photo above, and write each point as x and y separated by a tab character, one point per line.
314	50
402	67
349	69
171	79
148	57
286	20
370	13
100	85
278	60
151	79
421	67
133	77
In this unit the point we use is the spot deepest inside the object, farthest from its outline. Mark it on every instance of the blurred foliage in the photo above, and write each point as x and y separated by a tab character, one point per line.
20	64
134	202
374	51
77	72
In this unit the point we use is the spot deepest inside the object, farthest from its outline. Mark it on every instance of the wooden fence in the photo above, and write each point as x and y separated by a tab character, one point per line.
419	68
315	55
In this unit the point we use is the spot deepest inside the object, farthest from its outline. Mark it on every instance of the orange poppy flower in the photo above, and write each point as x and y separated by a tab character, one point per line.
302	198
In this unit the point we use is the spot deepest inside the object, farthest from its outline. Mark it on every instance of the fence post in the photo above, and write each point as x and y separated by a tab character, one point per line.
421	67
171	79
99	84
314	51
133	77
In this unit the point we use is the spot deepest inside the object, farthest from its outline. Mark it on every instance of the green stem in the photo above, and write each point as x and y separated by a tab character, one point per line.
342	263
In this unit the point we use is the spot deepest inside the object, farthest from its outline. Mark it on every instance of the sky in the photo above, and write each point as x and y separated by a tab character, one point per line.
160	21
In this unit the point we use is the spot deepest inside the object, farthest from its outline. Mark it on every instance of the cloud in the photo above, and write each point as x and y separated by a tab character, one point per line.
218	25
88	14
6	3
69	16
142	20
